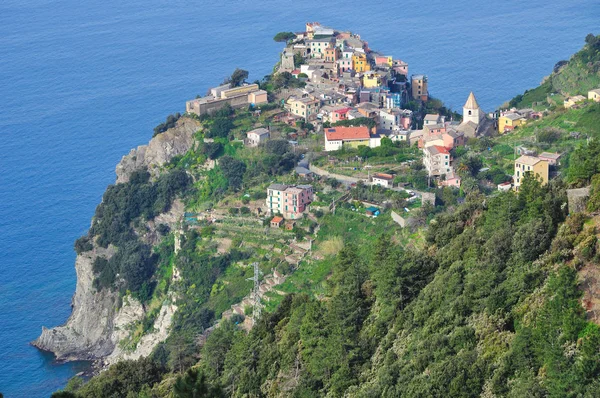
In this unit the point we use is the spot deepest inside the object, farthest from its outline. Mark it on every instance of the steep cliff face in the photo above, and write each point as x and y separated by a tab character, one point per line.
97	323
98	320
86	335
160	150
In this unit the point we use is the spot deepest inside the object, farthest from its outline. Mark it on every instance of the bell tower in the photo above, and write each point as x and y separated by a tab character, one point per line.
471	110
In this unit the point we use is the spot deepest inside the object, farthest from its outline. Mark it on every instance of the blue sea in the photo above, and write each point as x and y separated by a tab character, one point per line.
83	82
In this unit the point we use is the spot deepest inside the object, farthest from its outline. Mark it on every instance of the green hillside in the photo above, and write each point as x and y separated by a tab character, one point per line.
576	76
485	293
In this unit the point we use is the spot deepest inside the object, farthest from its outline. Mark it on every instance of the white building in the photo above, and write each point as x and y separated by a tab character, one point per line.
436	160
256	136
388	118
383	180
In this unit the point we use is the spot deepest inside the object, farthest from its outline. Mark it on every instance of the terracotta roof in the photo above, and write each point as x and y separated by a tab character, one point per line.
342	111
383	176
347	133
471	102
437	149
277	219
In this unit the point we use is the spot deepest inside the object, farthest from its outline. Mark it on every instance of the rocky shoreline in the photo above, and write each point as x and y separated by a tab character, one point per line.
99	319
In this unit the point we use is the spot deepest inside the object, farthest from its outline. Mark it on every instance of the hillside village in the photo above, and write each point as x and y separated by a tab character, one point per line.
339	184
347	96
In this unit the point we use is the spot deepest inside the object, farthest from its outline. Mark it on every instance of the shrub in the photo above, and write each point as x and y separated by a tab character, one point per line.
163	229
169	123
83	244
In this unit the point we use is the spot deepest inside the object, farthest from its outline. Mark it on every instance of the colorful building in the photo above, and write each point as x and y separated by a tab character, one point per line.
419	87
339	114
530	164
383	60
336	137
332	54
383	180
288	200
371	79
318	47
306	108
360	63
509	121
257	97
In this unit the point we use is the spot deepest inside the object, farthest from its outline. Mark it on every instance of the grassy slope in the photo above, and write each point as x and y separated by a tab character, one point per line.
578	76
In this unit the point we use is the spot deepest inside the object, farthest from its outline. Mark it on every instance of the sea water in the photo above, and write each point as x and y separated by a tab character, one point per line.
83	82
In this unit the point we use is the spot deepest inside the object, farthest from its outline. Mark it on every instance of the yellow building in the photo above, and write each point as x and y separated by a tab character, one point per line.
360	63
509	121
594	95
530	164
306	108
371	79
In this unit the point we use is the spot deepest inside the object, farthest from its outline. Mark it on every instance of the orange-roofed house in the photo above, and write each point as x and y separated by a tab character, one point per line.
336	137
276	222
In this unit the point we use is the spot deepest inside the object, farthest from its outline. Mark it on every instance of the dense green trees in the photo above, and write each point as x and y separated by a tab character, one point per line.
233	169
584	163
122	205
122	379
284	36
237	77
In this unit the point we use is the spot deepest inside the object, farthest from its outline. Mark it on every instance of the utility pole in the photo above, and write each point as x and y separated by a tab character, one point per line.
256	294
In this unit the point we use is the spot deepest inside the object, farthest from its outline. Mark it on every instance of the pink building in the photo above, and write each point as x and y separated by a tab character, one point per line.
452	180
551	158
289	200
452	139
405	122
400	67
339	114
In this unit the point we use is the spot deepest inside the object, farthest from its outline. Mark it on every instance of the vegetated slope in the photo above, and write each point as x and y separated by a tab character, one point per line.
576	76
483	310
491	307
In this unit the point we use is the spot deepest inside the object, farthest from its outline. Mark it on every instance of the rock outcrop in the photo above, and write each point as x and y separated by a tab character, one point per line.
98	319
160	150
86	335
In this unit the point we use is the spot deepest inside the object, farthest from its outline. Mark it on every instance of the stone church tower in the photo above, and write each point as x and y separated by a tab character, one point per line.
471	111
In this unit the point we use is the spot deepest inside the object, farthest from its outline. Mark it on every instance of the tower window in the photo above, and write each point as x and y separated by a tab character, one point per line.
469	113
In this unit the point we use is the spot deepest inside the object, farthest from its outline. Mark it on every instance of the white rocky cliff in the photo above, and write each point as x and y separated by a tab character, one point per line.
93	329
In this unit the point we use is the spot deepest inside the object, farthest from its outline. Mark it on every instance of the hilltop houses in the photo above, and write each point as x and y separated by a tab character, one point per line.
570	102
508	121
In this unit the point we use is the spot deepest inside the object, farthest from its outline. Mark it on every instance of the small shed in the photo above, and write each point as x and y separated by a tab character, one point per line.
276	222
290	225
303	172
372	211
